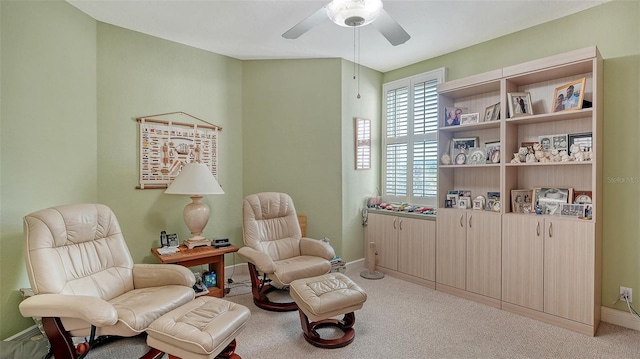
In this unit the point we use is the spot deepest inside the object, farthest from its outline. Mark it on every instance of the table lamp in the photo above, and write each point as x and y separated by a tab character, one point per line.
195	180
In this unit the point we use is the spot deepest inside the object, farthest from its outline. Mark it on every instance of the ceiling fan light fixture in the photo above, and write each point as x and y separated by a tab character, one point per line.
353	13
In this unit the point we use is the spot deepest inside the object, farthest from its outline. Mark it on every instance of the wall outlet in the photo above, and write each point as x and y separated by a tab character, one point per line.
628	292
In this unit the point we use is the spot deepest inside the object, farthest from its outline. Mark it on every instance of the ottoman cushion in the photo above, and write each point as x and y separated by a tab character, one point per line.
199	329
327	295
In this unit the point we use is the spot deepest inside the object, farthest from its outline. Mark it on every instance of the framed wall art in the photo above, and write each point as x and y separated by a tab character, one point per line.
166	146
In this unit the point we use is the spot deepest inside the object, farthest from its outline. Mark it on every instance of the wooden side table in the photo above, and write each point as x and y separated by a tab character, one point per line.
198	256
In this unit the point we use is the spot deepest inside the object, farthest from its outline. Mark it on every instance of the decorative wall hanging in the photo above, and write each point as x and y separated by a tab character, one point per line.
166	146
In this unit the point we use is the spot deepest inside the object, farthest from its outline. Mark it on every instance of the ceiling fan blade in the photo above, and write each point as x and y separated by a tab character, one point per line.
306	24
390	29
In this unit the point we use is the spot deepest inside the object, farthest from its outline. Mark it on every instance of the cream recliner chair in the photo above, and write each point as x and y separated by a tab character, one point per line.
85	282
275	249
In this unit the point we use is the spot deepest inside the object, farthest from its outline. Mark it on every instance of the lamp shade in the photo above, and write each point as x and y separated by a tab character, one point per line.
350	13
194	179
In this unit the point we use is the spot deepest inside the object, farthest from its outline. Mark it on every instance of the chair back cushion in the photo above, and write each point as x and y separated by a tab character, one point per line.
270	225
77	249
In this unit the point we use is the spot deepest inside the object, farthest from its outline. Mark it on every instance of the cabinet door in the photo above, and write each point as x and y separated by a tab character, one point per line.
382	230
569	262
484	242
416	247
451	248
522	260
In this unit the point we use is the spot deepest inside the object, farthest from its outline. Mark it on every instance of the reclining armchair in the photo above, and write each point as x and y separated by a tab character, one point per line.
275	250
85	282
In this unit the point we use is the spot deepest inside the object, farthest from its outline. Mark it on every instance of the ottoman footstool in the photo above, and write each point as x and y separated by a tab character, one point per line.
202	329
319	299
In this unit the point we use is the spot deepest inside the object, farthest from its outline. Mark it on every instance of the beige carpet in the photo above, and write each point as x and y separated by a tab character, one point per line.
404	320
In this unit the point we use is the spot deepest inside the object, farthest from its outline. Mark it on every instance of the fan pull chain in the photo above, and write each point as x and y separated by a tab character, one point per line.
356	56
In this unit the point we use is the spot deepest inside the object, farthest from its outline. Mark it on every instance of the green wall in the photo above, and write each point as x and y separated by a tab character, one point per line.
48	114
291	137
140	75
615	29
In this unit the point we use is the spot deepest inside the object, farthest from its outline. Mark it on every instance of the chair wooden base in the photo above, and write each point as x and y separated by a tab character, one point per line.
62	344
312	336
227	353
259	289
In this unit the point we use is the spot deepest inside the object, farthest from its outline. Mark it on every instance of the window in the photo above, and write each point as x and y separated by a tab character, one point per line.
410	143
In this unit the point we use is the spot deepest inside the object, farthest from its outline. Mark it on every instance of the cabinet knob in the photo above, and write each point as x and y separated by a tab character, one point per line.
394	223
471	216
538	229
400	224
550	229
461	222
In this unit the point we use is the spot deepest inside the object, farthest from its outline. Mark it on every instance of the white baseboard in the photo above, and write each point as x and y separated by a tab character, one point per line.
619	317
30	332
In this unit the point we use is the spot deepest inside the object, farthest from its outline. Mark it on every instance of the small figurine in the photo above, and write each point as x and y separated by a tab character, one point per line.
445	159
555	155
564	156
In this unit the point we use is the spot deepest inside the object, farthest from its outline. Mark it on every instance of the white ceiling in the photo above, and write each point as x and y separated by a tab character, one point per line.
252	29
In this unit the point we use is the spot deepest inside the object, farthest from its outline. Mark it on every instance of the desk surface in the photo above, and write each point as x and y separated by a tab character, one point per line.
186	254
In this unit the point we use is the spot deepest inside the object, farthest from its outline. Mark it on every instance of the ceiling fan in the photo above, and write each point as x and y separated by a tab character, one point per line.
353	13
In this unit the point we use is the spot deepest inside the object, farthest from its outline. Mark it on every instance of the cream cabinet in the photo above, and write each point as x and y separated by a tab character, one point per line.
405	246
549	266
468	255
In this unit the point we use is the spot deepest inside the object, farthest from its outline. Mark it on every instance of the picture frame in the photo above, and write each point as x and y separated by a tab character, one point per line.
469	118
520	104
583	197
462	145
479	203
493	151
448	203
584	140
522	201
492	113
461	159
452	116
529	145
477	156
548	199
453	198
573	210
560	142
569	96
464	202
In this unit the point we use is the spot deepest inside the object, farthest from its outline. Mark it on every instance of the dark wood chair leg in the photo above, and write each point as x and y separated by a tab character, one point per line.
260	291
60	340
312	336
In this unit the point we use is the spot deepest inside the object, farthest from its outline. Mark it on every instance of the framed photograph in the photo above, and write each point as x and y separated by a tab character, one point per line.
582	197
479	202
464	202
462	145
559	142
549	199
522	201
493	195
493	151
569	96
453	198
461	159
496	205
492	113
584	140
452	115
520	104
573	210
469	118
447	203
477	156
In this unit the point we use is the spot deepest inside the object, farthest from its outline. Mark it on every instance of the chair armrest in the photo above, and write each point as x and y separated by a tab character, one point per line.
94	310
157	275
261	260
314	247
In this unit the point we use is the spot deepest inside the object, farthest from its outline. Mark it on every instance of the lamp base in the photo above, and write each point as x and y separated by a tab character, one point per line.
197	241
